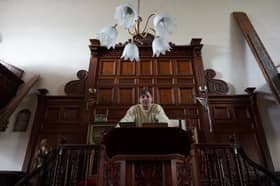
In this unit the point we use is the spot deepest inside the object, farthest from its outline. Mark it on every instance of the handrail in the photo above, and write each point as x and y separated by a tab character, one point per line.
68	164
266	171
228	164
50	158
217	165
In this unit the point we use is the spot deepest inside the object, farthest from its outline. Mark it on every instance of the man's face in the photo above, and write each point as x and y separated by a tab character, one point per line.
146	100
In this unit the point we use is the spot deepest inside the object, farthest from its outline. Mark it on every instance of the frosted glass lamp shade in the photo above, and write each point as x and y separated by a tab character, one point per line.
130	52
108	36
126	15
160	46
164	24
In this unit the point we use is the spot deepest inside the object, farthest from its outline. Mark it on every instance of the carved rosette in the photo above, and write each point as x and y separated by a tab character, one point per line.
184	174
215	86
77	87
147	171
112	174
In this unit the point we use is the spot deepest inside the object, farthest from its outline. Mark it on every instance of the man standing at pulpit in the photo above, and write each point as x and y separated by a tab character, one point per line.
146	111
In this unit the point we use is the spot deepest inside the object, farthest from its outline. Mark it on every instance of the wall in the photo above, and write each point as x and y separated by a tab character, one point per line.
50	38
13	144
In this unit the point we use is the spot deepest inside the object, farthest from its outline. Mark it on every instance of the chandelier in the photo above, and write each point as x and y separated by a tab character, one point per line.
127	17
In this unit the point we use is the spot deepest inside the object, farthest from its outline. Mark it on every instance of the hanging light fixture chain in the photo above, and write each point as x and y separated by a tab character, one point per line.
147	22
138	8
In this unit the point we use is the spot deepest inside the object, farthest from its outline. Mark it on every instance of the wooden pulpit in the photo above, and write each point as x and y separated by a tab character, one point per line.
145	156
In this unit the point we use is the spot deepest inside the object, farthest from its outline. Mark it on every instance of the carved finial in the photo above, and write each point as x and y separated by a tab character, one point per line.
91	97
215	86
196	41
250	90
82	74
209	74
43	91
77	87
94	44
42	153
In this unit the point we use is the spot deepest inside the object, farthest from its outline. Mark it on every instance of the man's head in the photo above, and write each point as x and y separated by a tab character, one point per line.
145	98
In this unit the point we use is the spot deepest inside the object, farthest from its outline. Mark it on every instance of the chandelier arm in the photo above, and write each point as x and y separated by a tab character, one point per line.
148	20
130	33
136	27
153	30
144	34
139	41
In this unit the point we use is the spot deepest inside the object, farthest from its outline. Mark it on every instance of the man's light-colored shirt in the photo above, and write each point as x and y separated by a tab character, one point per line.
137	114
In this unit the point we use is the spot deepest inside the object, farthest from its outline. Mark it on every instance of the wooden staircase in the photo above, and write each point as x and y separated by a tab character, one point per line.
12	91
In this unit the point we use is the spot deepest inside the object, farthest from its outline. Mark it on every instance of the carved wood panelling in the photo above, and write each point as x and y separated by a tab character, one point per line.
184	174
184	67
165	96
242	113
116	174
146	67
235	121
169	86
105	82
77	87
185	96
164	67
185	81
171	78
126	96
52	114
58	115
127	68
174	79
215	86
146	81
58	118
221	113
107	67
127	82
148	173
105	96
250	143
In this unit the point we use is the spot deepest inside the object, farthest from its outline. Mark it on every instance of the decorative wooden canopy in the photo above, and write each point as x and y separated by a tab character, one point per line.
174	78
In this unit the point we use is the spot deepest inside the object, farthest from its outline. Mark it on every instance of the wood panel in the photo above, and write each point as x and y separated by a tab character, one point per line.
126	96
185	96
146	67
57	118
174	79
167	75
107	67
164	67
165	96
234	120
127	68
184	67
10	178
